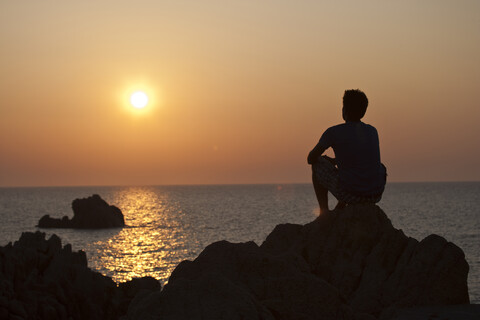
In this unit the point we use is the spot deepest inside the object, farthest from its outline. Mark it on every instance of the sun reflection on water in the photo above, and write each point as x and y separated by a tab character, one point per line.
150	245
166	225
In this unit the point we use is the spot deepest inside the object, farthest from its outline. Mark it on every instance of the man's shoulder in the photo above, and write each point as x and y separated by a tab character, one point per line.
370	127
347	127
336	127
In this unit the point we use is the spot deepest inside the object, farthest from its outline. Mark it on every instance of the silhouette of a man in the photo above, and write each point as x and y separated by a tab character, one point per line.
356	175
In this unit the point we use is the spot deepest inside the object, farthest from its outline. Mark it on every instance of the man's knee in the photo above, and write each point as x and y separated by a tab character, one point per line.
324	175
322	165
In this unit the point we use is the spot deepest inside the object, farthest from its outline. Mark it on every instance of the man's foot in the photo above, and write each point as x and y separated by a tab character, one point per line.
324	212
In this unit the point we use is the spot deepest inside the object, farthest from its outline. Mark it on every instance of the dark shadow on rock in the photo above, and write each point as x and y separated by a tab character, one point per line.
88	213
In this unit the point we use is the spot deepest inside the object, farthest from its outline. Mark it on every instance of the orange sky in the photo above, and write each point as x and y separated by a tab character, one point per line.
240	91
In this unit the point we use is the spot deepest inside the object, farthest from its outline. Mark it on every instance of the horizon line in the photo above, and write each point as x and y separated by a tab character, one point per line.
208	184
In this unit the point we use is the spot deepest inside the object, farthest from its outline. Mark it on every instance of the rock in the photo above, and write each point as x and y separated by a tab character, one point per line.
350	264
40	279
463	312
240	281
3	313
16	308
374	265
88	213
132	287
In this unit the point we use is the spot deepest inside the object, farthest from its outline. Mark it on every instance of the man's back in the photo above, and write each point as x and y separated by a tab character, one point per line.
357	152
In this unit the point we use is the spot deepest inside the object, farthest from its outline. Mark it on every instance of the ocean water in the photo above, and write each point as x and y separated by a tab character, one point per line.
168	224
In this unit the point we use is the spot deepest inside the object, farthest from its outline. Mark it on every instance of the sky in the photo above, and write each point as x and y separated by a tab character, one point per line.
239	91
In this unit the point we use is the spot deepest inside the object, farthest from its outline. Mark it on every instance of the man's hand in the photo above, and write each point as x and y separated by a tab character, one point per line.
311	159
332	160
315	154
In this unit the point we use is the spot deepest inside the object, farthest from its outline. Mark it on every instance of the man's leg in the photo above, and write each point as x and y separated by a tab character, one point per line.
325	179
322	195
340	205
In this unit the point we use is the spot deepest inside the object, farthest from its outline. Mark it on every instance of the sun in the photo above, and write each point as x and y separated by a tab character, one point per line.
139	99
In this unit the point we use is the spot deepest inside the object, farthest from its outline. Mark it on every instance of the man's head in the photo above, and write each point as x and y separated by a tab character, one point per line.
355	104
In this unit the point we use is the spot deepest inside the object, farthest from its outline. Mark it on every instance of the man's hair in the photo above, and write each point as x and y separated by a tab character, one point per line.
355	103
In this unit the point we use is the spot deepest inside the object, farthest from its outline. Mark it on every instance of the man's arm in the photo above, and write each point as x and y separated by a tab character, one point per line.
315	153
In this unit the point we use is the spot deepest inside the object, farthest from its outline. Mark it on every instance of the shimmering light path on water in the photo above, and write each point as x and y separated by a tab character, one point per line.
153	242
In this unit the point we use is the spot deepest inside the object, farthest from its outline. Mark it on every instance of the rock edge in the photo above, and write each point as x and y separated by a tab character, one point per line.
88	213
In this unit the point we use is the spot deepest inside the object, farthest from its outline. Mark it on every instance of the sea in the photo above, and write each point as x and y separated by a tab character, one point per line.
169	224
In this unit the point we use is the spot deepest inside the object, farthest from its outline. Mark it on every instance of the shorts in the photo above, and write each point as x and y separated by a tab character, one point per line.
326	174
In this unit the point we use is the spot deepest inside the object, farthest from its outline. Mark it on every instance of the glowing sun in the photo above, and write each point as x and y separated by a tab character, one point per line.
139	99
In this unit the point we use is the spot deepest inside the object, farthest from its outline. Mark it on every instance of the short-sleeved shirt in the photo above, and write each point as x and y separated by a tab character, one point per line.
357	151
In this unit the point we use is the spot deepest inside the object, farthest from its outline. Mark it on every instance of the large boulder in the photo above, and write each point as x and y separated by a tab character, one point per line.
240	281
348	264
88	213
375	266
40	279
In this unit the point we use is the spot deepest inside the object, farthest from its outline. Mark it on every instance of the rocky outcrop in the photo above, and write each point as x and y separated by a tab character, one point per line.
349	264
375	266
239	281
88	213
40	279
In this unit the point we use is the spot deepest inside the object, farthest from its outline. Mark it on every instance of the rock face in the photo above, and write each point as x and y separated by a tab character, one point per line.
40	279
375	266
350	264
88	213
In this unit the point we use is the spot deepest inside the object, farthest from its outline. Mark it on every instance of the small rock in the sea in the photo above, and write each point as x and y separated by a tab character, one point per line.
88	213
